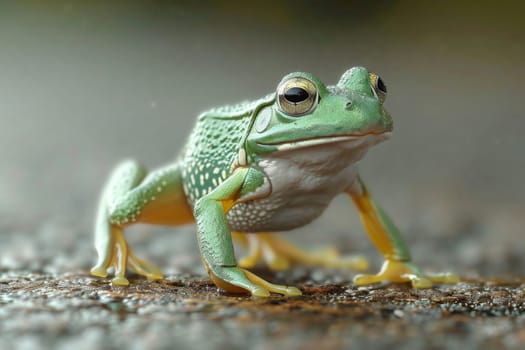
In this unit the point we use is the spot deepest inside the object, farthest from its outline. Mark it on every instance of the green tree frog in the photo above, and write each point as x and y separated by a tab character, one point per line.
260	167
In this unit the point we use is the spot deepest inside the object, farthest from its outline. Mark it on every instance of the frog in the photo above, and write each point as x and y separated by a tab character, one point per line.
252	170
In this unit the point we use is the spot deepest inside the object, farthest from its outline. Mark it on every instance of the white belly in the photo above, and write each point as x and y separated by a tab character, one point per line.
302	184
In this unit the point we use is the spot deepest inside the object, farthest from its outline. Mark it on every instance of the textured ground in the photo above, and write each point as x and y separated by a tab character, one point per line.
48	299
42	310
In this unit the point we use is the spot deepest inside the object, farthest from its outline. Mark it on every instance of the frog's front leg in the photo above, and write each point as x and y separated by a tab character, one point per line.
132	197
398	266
215	241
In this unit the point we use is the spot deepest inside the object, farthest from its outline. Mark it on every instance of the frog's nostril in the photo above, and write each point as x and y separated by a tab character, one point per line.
348	105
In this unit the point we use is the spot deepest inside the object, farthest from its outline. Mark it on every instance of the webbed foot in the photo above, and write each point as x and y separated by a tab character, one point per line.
238	280
405	271
279	254
120	257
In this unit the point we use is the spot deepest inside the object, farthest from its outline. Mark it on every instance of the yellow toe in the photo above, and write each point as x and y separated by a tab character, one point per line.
364	280
446	278
420	282
279	264
260	292
99	271
293	292
120	281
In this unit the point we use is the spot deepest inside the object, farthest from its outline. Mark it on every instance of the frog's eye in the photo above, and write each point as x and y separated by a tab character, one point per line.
297	96
378	87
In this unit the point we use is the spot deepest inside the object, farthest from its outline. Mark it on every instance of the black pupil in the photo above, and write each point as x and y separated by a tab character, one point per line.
296	94
381	85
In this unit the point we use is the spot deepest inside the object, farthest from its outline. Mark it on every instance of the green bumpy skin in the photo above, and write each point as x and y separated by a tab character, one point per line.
260	167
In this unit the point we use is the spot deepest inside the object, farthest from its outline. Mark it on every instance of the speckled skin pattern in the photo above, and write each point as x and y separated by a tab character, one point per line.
213	147
262	166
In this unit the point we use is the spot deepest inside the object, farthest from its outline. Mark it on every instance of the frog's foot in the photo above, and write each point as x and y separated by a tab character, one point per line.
405	271
279	254
238	280
122	256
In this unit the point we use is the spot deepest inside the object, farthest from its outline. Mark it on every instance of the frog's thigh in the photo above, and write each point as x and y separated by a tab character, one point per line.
131	197
156	199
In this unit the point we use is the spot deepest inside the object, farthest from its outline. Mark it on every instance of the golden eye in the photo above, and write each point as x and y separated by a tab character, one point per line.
297	96
378	86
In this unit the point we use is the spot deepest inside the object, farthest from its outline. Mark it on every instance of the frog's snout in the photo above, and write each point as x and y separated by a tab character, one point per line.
380	123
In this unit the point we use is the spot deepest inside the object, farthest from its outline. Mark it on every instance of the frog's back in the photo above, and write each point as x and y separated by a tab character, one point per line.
213	147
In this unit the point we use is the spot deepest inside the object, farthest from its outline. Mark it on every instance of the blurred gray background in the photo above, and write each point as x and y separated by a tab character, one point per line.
86	84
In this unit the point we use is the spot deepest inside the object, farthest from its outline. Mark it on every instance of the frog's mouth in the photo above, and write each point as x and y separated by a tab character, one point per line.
355	141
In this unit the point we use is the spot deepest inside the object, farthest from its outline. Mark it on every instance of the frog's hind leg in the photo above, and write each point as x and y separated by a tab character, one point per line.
132	197
279	254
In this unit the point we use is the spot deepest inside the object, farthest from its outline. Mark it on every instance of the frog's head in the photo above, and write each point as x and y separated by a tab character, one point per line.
307	113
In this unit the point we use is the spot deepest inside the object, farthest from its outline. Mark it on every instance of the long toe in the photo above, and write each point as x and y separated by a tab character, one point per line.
99	271
365	280
420	282
444	278
120	281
